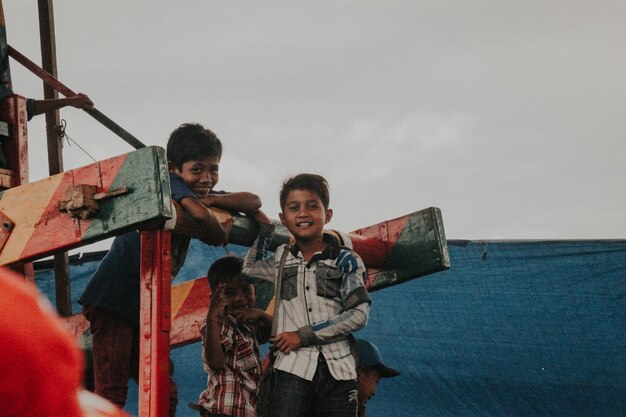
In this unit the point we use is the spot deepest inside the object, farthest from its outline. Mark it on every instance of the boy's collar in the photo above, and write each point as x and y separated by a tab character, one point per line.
331	251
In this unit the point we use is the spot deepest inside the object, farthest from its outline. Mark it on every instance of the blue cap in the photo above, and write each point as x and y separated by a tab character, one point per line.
369	356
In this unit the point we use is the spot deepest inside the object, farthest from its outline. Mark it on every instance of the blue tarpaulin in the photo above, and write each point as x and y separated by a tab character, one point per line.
533	328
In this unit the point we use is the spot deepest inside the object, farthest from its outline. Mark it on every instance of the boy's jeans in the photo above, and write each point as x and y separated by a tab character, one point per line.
116	356
324	396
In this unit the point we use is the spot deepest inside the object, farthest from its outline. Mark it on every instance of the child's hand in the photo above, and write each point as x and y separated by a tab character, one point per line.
219	301
248	315
81	101
287	341
261	217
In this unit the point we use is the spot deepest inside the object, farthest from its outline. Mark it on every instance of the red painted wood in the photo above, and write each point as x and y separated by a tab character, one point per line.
189	317
16	148
373	243
371	250
16	153
155	323
47	234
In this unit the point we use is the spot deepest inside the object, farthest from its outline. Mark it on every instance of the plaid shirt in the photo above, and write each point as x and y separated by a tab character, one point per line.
233	390
324	300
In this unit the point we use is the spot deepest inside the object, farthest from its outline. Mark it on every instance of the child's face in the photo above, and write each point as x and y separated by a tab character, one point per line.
367	381
201	175
238	294
304	215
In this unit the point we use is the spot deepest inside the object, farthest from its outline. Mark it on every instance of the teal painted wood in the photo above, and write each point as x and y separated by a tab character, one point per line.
145	173
416	246
421	249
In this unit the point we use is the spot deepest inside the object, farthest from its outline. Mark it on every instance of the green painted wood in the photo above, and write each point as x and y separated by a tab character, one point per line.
145	173
420	249
411	246
405	248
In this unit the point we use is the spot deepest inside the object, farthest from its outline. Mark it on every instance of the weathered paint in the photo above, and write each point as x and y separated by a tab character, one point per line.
403	248
154	323
415	244
417	247
16	146
40	228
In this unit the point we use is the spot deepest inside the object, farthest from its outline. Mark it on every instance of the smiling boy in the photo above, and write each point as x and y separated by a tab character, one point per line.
111	299
323	300
230	343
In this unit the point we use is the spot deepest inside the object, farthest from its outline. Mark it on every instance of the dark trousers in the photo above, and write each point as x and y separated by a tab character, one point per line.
324	396
116	356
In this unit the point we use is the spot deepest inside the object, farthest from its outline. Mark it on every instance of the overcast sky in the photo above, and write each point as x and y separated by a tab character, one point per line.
507	115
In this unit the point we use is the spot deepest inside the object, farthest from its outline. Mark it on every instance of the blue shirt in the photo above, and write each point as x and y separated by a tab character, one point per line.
115	284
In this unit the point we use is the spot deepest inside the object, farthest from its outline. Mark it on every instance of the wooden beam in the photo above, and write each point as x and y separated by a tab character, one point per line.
42	229
394	251
67	92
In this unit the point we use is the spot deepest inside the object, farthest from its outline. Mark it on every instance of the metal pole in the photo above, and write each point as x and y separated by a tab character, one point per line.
67	92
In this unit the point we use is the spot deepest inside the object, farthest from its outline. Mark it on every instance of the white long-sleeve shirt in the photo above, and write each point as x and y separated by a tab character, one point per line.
324	301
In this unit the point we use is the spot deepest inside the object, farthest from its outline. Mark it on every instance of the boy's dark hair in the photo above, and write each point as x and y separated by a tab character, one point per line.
224	270
191	141
310	182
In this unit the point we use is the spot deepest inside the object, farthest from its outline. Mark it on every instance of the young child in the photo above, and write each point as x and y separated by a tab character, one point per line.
370	369
230	343
323	300
111	299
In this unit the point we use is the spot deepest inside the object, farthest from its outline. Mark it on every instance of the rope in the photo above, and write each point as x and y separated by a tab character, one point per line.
63	134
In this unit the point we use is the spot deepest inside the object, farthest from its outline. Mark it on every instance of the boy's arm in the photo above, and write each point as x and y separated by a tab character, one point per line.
346	323
213	350
264	328
258	318
259	264
206	220
244	202
80	101
349	321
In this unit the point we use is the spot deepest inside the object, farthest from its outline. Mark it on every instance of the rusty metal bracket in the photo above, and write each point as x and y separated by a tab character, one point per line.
6	227
82	201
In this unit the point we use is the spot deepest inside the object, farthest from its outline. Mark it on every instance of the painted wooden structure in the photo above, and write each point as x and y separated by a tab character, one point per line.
109	197
86	204
16	246
13	142
394	251
91	203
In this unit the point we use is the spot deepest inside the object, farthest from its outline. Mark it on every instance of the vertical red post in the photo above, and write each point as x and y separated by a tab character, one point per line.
155	324
15	149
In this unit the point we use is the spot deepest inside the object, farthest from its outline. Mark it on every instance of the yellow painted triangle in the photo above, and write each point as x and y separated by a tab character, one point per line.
179	295
25	205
